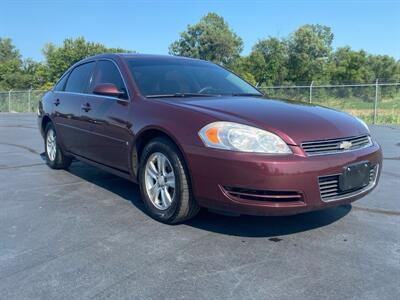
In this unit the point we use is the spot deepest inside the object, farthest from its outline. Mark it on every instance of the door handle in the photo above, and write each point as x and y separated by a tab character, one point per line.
57	102
86	107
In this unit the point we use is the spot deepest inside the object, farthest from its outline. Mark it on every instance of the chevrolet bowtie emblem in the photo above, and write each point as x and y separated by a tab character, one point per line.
345	145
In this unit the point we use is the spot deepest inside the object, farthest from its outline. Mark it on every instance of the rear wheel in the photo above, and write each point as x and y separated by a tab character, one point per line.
164	183
55	158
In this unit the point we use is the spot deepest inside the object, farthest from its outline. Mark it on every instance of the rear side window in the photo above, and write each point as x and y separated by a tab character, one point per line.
61	83
78	81
107	72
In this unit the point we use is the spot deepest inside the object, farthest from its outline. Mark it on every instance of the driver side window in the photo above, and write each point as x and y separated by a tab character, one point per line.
107	72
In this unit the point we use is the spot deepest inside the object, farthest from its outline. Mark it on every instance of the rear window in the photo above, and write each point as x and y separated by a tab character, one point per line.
79	80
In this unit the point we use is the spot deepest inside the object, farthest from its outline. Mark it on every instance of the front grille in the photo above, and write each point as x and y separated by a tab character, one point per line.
264	195
336	145
330	190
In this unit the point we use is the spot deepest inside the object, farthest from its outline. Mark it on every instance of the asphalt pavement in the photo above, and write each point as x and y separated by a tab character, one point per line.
82	234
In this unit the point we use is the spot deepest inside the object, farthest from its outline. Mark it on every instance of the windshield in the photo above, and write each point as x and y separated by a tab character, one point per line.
181	77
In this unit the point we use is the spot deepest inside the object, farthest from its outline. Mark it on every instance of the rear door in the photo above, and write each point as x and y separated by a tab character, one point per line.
68	103
110	132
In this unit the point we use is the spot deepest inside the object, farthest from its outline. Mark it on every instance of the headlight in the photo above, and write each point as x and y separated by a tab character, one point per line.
243	138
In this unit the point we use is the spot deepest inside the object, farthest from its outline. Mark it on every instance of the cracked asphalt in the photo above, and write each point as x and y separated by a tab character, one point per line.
82	234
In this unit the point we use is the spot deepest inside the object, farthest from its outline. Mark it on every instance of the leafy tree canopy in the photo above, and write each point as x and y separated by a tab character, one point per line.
210	39
8	52
305	55
59	59
348	66
309	48
14	72
268	61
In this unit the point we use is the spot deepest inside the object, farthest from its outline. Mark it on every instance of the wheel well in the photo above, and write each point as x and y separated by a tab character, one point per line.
146	137
143	140
45	121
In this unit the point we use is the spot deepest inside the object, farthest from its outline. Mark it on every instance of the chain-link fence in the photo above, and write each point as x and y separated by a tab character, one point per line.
377	103
20	101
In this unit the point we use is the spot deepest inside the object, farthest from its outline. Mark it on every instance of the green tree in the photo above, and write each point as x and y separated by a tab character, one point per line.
35	75
59	59
8	52
241	67
268	61
309	49
210	39
349	66
384	67
10	63
16	73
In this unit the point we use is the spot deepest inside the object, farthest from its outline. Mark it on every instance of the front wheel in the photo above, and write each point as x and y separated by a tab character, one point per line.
55	159
164	183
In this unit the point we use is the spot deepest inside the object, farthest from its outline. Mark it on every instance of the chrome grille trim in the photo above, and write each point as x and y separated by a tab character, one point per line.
263	195
330	191
332	146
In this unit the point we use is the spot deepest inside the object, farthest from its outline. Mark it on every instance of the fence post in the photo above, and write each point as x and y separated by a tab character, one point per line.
311	85
29	100
9	100
376	100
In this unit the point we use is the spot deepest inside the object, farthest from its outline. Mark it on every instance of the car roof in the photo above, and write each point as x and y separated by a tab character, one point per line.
136	56
140	56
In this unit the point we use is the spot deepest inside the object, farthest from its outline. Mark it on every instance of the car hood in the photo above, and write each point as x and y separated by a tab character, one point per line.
295	122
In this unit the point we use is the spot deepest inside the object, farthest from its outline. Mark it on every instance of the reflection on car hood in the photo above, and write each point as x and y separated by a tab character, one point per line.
295	122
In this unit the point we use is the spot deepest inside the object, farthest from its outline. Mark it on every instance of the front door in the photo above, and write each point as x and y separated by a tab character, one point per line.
108	142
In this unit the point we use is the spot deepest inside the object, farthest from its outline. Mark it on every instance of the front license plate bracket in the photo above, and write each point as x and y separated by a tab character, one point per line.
354	176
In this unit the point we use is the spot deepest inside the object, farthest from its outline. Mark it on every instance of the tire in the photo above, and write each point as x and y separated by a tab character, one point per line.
180	204
55	158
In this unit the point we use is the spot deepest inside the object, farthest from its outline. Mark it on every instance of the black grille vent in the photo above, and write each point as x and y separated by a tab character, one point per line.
330	190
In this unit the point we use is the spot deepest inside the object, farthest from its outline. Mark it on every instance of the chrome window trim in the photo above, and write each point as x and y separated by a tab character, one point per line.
94	95
367	188
370	144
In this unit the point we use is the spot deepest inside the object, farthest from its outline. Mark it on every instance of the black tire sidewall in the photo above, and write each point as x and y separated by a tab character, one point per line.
171	153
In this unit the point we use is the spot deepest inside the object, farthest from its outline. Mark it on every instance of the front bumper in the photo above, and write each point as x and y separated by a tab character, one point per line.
212	170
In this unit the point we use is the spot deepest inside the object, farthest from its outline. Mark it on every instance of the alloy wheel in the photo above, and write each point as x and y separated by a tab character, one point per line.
51	146
160	181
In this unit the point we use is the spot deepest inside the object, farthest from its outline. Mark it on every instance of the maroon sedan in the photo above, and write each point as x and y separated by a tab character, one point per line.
192	134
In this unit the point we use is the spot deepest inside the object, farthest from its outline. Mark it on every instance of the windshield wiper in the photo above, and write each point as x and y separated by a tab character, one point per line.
183	95
247	95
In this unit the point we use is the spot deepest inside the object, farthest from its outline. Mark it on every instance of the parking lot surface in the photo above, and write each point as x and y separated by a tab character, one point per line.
82	234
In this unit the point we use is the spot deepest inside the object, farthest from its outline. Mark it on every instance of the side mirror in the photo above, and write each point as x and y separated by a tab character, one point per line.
108	89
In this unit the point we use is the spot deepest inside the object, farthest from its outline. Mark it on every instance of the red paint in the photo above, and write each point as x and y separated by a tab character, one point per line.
108	132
